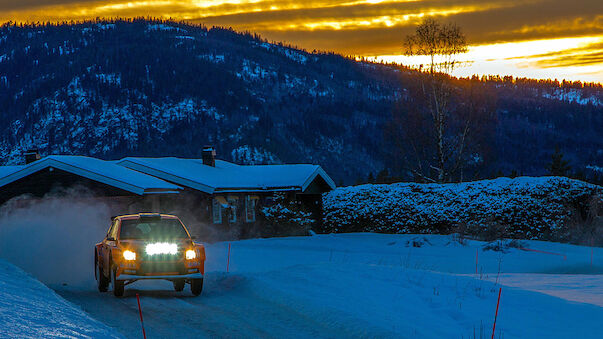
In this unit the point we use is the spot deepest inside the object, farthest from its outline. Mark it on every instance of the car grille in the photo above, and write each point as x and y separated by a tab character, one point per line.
163	257
152	267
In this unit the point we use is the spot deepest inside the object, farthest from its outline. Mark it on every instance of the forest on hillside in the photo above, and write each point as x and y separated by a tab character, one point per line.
142	87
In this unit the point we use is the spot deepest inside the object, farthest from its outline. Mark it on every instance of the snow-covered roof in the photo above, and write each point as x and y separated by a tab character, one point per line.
6	170
229	177
107	172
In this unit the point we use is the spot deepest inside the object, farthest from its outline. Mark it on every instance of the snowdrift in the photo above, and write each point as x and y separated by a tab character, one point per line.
29	309
525	207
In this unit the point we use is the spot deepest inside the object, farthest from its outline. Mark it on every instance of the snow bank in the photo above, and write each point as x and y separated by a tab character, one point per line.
28	309
526	207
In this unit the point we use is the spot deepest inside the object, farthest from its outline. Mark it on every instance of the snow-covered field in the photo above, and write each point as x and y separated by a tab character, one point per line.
368	285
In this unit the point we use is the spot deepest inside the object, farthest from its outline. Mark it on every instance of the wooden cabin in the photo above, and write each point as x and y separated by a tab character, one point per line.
207	193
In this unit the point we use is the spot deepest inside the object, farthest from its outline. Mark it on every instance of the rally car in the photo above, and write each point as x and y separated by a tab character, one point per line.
148	246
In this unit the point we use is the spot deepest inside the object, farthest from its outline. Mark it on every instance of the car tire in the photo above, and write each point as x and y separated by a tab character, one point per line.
118	285
196	286
101	280
178	285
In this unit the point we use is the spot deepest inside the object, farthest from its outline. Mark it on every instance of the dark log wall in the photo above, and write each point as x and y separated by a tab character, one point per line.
58	183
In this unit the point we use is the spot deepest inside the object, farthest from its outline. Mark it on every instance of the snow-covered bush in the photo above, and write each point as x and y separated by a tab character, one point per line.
287	217
504	245
525	207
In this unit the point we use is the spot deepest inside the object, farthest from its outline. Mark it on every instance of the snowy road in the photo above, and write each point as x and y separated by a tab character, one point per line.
229	308
364	285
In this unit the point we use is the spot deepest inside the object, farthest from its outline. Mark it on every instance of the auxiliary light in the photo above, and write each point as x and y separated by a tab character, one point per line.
161	248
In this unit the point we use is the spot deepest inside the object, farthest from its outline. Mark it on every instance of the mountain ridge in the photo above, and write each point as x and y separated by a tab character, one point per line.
120	88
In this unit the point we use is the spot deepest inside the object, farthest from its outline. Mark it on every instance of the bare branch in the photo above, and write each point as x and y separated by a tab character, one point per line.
442	43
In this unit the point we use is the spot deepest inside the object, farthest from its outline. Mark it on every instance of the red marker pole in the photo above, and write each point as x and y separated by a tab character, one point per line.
144	335
496	314
228	260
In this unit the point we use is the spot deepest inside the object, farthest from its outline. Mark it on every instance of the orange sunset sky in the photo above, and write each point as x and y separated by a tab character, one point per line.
532	38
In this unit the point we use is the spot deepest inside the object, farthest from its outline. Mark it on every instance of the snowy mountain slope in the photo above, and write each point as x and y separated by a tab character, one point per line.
150	88
130	88
532	208
367	285
574	95
28	309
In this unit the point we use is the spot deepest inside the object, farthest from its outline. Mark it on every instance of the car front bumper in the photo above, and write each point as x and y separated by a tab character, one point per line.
174	276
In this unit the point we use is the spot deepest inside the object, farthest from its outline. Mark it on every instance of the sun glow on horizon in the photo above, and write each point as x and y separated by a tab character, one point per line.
519	59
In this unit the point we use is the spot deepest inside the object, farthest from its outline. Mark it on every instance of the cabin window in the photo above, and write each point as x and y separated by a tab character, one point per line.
232	204
216	211
250	202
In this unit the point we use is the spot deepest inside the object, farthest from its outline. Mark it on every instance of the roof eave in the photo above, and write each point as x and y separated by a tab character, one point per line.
42	164
161	191
257	189
323	175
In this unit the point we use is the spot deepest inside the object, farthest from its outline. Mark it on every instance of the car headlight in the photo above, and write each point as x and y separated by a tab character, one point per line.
190	255
129	255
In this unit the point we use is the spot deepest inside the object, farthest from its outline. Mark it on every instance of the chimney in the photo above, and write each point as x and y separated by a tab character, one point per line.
31	155
209	156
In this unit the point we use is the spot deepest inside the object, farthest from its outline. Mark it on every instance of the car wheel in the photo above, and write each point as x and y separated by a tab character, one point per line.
118	285
178	285
101	280
196	286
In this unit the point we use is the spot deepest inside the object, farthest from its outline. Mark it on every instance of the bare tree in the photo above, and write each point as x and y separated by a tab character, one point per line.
442	43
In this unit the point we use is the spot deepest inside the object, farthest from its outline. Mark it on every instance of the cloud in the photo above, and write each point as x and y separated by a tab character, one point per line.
301	22
11	5
352	27
588	55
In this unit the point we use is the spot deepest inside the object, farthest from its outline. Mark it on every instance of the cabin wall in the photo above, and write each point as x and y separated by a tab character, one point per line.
241	226
115	205
236	222
52	182
192	207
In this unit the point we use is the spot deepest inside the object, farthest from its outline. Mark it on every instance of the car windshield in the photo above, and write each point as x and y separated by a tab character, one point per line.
155	229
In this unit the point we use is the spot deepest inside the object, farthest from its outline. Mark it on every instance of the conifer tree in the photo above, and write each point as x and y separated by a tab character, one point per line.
383	177
371	179
558	165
